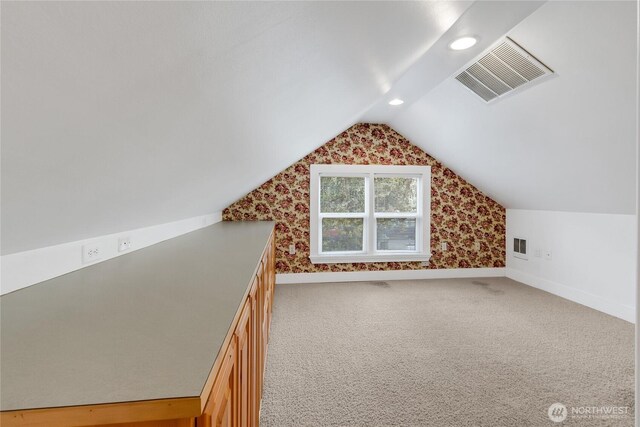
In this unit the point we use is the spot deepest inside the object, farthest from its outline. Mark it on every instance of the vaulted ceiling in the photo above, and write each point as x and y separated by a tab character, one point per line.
568	143
119	115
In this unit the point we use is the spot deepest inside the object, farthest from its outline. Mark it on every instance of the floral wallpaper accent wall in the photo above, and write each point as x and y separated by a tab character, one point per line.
460	214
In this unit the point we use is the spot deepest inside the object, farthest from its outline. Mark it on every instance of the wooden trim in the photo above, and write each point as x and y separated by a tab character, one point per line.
206	391
220	388
244	317
181	422
148	410
254	353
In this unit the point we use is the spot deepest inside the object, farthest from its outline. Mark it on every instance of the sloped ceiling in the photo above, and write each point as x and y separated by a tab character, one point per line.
119	115
567	144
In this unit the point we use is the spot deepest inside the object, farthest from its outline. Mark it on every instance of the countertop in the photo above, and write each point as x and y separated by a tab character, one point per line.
142	326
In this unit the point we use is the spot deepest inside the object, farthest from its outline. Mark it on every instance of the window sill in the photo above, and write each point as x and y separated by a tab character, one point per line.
344	259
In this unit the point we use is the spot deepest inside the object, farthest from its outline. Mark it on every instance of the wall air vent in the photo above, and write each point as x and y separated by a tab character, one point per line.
505	68
520	248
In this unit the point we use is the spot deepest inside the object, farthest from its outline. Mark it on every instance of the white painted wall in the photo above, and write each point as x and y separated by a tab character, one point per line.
593	257
26	268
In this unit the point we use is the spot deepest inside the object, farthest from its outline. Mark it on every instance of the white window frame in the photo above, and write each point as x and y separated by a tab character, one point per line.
370	252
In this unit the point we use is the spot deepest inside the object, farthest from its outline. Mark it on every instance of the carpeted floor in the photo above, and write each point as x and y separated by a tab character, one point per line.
455	352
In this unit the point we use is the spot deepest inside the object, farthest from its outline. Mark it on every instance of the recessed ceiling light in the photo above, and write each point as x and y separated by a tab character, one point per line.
463	43
396	101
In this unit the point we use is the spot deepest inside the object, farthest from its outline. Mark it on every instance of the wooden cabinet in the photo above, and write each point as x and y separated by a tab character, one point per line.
271	262
243	340
265	316
255	381
231	395
237	390
268	278
220	409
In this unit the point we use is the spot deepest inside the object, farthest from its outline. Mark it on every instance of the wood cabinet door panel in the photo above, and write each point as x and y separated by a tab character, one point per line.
254	355
219	410
265	331
243	338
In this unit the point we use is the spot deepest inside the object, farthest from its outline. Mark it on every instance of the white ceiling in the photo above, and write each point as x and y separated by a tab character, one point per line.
119	115
566	144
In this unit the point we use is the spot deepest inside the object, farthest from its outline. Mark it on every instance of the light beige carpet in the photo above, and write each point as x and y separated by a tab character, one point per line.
455	352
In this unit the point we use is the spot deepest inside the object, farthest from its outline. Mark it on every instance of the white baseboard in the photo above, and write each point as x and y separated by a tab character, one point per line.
622	311
596	302
27	268
363	276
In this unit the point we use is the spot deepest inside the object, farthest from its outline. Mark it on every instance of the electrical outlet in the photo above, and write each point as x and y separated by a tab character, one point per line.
443	246
424	263
537	253
91	252
292	249
477	246
547	254
124	244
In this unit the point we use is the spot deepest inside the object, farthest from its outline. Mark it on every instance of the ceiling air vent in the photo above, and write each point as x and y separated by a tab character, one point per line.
505	68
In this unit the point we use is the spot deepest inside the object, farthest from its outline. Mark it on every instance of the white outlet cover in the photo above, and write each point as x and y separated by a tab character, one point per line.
91	252
124	244
292	249
443	246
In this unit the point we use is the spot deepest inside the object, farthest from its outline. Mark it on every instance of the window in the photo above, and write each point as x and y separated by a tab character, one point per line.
369	213
520	248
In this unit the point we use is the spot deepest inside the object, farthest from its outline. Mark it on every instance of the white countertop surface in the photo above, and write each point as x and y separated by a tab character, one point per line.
142	326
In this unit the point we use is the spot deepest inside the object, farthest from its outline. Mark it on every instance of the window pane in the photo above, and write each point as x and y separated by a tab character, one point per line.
341	194
516	245
396	234
396	194
523	246
342	234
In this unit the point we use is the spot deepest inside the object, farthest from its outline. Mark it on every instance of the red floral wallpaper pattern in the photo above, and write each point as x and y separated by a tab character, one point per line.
460	214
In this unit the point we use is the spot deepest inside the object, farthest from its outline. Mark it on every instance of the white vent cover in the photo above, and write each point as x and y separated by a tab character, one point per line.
505	68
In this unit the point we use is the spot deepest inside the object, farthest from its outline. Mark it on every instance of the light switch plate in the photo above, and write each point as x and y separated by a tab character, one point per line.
443	246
